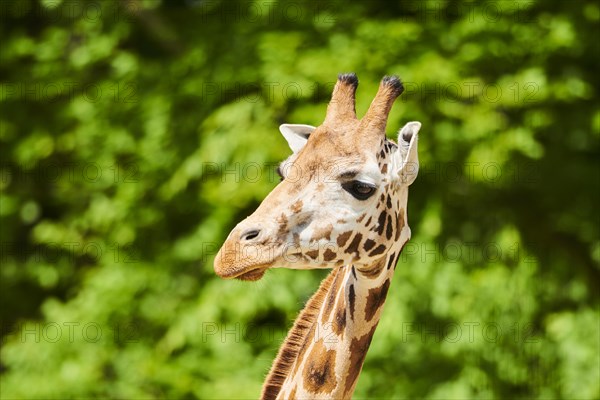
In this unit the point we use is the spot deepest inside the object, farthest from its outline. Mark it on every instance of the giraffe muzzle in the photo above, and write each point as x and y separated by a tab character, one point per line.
246	254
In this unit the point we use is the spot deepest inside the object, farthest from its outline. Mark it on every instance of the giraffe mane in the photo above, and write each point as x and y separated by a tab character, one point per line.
295	339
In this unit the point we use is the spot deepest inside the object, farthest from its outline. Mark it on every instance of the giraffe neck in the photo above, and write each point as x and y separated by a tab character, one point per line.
324	352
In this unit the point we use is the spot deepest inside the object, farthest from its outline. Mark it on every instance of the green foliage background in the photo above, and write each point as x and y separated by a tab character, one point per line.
130	135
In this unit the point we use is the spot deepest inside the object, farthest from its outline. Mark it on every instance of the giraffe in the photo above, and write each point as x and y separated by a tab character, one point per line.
341	205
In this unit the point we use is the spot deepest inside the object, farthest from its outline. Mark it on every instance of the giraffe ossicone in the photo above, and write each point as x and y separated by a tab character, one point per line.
341	205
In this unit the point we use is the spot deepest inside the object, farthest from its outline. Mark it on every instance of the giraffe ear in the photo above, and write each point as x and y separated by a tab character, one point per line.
296	135
408	139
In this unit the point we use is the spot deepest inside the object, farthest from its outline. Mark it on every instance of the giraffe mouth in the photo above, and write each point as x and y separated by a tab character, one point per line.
233	264
254	275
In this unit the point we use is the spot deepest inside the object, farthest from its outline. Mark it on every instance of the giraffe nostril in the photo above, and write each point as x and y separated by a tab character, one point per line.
250	234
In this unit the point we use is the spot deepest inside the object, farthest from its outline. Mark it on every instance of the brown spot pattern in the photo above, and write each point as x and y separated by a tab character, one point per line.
391	260
296	207
401	219
353	246
375	299
358	351
351	301
390	228
378	250
368	244
399	224
381	222
343	238
314	254
319	371
329	255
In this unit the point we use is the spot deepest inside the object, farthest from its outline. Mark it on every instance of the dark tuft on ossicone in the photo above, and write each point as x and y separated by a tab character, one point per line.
349	78
394	82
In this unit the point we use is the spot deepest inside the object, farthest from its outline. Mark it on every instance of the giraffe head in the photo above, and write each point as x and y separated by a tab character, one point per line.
343	194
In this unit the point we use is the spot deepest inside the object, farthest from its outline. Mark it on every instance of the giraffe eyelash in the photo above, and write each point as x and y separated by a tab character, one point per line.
280	173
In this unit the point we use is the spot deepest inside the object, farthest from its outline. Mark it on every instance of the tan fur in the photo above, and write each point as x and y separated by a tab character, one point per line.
295	339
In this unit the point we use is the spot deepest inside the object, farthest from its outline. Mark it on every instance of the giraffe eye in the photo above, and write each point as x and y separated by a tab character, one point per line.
359	190
280	173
